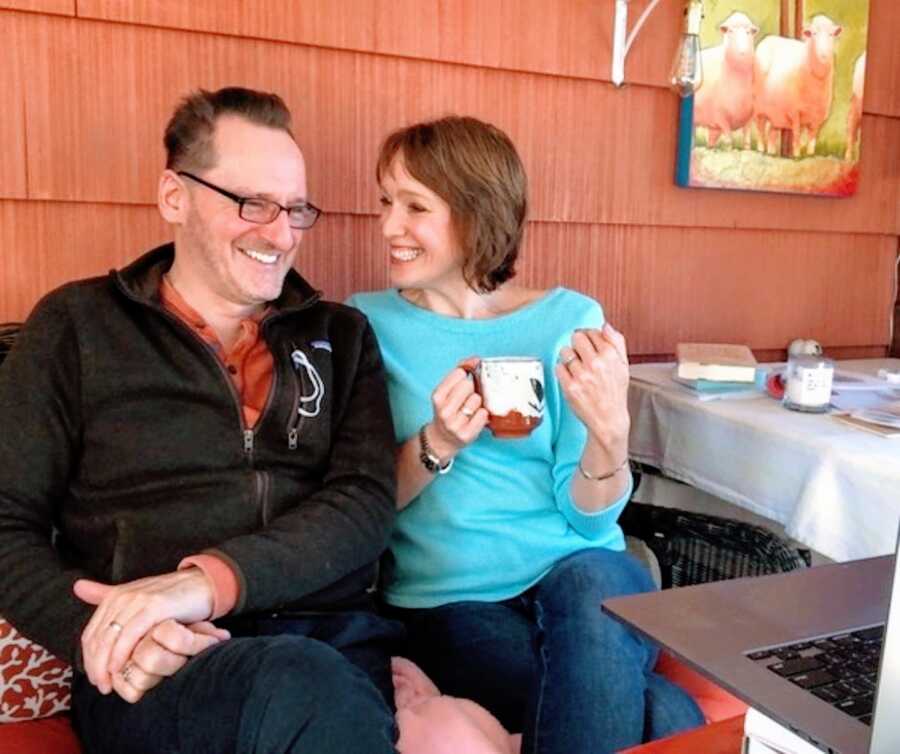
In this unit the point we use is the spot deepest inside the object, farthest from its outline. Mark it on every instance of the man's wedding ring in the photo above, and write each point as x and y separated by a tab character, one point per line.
115	626
467	412
569	359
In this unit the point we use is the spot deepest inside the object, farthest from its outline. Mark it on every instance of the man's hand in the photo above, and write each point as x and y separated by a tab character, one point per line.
126	613
161	654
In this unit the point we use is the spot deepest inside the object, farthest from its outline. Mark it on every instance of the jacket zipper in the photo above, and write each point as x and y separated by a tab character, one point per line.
262	495
260	478
248	435
293	427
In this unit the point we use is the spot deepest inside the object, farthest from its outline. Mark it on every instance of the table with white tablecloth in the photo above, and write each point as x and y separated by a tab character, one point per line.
834	488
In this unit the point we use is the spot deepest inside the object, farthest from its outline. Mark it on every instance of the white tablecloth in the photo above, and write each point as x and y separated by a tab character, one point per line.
833	488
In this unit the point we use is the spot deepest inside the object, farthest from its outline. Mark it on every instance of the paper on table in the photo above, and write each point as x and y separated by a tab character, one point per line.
875	429
845	380
854	400
887	415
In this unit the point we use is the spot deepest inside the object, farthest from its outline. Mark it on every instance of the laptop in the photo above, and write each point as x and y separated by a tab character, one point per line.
777	642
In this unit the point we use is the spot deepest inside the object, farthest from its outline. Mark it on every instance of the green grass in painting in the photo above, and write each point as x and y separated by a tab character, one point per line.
748	169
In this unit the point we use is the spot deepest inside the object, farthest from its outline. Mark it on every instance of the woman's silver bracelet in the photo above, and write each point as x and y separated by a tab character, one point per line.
600	478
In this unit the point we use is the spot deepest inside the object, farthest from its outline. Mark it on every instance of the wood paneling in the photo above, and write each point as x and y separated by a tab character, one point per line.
883	61
12	113
664	285
668	264
348	24
47	244
571	38
895	342
595	154
62	7
756	289
344	254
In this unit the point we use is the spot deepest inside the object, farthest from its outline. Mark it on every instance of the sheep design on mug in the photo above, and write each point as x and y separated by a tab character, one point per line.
794	85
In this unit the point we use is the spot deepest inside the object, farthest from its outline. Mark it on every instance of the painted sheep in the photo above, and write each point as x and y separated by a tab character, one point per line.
794	85
724	104
854	117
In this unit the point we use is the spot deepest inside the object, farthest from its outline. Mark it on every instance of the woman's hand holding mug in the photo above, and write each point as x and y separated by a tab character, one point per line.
459	415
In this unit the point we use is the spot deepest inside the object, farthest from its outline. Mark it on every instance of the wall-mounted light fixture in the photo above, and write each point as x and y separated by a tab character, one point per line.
687	74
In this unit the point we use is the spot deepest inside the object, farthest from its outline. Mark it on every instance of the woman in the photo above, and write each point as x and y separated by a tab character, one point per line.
504	549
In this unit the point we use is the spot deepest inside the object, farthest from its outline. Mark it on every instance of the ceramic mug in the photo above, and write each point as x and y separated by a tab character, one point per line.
512	392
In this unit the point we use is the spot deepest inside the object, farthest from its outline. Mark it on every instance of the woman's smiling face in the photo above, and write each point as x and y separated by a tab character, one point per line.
418	226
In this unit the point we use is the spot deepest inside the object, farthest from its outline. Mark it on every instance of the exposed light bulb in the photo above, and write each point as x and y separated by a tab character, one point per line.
687	71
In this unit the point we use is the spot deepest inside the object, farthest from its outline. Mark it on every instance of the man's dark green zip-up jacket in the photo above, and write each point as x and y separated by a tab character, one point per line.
122	441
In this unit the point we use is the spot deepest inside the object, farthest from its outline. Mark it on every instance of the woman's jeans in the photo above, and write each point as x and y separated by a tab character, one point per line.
312	684
551	664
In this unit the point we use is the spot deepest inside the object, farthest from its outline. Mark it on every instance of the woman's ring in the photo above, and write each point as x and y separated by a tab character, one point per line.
467	412
115	626
126	671
569	359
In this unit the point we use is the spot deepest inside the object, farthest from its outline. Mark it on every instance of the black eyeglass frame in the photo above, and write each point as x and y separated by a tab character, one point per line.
242	200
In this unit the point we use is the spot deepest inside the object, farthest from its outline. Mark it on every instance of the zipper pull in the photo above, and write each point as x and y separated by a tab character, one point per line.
248	441
292	439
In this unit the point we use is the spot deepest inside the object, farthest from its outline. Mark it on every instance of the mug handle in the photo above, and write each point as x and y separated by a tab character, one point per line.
470	367
470	364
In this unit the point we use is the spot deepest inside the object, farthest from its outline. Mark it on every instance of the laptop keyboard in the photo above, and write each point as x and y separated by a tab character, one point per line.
841	669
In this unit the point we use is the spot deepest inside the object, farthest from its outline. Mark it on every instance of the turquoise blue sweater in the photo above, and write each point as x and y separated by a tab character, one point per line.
503	515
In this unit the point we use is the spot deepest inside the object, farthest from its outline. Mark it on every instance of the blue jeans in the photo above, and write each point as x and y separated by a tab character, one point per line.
310	684
551	664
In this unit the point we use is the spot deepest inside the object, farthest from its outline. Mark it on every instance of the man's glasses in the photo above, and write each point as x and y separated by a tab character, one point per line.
263	211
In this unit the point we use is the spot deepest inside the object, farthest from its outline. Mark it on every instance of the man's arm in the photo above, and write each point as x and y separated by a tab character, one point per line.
40	428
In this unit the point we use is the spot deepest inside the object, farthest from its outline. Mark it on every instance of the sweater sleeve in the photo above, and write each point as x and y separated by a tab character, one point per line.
569	445
40	418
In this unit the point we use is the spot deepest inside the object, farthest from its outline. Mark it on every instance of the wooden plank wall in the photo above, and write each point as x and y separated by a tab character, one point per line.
87	86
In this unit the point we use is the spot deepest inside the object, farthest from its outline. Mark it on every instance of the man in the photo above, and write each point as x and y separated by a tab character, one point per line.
206	440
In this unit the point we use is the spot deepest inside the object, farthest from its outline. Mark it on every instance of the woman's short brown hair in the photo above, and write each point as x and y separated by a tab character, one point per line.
474	167
189	134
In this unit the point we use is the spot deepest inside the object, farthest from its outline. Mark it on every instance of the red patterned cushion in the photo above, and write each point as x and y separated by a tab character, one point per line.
33	683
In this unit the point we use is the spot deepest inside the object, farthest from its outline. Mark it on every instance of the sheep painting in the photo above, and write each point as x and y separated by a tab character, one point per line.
854	119
724	104
780	105
793	85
